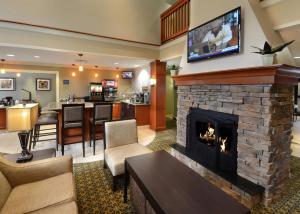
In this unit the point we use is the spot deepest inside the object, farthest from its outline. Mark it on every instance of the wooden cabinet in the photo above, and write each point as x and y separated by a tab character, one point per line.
138	111
2	118
116	111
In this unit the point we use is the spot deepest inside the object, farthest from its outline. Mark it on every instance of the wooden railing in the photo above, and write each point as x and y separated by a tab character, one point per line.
175	20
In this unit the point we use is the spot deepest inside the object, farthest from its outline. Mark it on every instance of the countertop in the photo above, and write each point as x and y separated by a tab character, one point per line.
135	104
54	106
21	106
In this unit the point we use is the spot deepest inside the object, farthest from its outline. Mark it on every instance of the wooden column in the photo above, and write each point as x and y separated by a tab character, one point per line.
158	96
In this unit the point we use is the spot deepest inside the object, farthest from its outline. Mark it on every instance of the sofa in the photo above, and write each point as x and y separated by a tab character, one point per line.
38	187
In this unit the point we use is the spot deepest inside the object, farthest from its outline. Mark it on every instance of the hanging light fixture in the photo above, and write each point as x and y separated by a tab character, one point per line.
96	74
80	68
73	73
2	70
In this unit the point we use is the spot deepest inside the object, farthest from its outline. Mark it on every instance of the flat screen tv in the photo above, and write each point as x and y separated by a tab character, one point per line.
217	37
127	74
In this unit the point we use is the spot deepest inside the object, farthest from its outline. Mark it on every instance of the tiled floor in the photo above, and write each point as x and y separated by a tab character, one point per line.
9	143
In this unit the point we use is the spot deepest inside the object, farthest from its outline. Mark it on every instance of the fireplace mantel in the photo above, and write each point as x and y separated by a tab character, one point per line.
275	74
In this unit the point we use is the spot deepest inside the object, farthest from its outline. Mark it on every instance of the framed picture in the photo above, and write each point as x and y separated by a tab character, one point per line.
7	84
43	84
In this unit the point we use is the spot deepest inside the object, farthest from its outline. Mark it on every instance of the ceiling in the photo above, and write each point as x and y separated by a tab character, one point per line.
39	57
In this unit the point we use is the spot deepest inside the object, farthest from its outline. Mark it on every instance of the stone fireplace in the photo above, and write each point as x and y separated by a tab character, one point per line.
249	112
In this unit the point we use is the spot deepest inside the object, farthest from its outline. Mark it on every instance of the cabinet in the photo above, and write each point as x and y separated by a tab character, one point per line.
116	111
141	112
2	118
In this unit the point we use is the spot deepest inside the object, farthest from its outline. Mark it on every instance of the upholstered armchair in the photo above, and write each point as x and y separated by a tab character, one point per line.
120	141
45	186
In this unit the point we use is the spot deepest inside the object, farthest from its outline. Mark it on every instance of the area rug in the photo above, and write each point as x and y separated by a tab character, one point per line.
94	183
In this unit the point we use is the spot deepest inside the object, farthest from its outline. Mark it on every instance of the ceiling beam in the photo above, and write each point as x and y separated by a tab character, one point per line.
287	25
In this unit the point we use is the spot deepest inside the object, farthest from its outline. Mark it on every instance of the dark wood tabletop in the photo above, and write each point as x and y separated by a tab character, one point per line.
37	155
171	187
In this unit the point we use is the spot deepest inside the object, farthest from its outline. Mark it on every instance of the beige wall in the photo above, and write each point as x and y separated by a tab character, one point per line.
129	19
79	85
252	34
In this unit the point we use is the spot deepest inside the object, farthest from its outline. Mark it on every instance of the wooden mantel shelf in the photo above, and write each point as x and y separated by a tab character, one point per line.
275	74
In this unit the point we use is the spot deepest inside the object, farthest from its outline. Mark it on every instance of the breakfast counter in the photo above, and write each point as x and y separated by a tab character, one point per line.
21	117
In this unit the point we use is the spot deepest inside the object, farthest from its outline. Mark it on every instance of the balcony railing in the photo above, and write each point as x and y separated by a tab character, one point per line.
175	20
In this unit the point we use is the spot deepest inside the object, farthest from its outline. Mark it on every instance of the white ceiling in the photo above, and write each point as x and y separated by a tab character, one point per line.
66	59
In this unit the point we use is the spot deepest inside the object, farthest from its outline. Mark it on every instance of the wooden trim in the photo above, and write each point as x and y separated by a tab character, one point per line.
77	32
276	74
174	7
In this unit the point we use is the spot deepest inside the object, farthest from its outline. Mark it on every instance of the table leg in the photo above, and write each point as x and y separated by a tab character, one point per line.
126	179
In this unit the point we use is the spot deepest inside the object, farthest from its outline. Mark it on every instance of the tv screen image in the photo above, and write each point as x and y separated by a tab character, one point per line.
127	74
217	37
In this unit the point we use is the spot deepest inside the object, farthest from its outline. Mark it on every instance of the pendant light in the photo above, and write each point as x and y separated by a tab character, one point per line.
80	68
2	70
96	74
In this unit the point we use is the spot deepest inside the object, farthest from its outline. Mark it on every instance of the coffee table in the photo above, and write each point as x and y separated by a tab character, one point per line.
37	155
171	187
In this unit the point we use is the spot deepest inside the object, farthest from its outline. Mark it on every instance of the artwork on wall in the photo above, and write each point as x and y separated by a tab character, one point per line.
43	84
7	84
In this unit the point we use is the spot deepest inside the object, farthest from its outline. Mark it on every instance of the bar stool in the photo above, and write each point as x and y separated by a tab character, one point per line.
101	113
72	117
45	120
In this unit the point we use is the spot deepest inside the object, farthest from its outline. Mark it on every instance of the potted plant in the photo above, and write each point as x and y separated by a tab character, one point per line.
268	53
173	69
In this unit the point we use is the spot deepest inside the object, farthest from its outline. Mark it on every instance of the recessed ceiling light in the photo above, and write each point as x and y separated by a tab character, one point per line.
136	66
37	57
297	57
10	55
116	63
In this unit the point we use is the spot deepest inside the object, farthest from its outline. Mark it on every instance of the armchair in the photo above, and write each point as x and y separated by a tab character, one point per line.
45	186
120	142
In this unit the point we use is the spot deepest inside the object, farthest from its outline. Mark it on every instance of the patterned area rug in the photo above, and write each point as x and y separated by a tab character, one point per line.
94	192
94	184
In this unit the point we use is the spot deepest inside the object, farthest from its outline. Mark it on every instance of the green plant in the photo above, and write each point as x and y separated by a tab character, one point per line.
173	67
269	50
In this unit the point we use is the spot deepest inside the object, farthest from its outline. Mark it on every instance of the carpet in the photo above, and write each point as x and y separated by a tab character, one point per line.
94	183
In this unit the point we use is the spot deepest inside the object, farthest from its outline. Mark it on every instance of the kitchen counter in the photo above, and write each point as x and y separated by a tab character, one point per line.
55	106
136	104
21	106
21	117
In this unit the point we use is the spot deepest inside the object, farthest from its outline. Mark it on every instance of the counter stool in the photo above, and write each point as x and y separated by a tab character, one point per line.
43	120
72	117
101	113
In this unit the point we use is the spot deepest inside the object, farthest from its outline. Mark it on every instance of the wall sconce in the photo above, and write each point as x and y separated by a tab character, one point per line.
152	82
18	74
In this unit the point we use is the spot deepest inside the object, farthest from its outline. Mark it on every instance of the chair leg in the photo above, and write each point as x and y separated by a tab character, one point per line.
62	143
56	127
114	187
30	141
35	133
83	142
90	135
94	141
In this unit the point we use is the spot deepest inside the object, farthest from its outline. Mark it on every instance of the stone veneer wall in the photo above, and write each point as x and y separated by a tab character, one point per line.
264	128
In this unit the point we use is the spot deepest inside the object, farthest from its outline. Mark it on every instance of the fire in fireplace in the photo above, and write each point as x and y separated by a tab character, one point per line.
212	139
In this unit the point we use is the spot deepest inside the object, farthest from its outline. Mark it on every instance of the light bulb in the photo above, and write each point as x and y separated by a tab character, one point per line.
2	71
80	68
117	76
73	74
18	74
96	75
